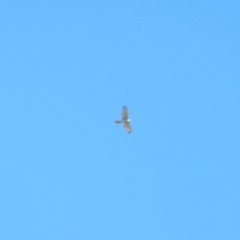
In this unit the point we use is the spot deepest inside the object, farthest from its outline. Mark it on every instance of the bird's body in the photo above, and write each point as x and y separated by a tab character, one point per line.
125	120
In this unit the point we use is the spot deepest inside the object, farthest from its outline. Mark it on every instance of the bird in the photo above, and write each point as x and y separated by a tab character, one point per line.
125	120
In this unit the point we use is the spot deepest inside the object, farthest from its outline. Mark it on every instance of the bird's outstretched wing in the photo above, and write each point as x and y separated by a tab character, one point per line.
127	126
124	113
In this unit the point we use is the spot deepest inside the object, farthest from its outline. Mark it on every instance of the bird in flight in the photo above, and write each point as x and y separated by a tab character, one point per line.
125	120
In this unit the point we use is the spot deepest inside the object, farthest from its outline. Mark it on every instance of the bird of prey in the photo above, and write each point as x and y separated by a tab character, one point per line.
125	120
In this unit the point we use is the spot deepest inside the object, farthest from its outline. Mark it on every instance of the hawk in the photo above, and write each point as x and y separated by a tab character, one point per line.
125	120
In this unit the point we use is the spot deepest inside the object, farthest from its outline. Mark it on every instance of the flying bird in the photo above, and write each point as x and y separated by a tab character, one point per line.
125	120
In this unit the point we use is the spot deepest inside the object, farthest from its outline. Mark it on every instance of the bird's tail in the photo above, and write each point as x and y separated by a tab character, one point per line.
118	121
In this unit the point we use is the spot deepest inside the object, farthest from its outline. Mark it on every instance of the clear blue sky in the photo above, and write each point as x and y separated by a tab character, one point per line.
68	172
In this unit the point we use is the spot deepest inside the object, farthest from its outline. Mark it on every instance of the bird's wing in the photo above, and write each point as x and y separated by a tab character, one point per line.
127	127
124	113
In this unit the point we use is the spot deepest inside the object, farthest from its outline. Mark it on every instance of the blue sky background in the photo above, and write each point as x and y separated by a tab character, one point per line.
68	172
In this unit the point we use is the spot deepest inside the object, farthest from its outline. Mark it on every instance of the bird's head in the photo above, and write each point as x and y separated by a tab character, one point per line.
129	120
